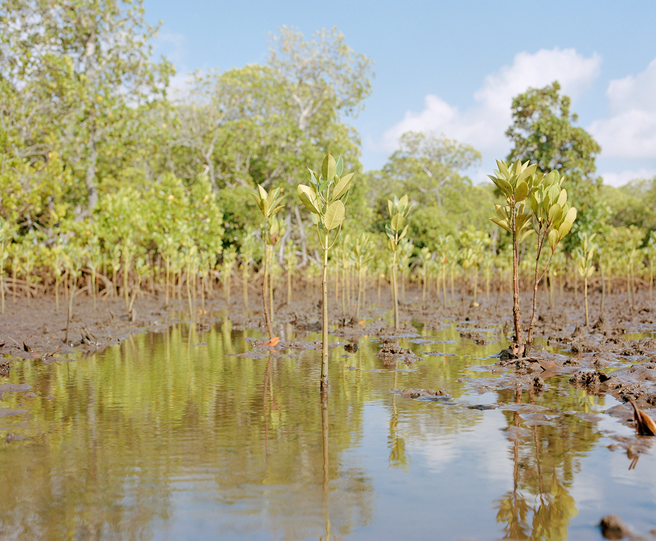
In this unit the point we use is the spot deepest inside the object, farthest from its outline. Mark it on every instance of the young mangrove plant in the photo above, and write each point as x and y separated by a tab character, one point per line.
270	205
396	230
548	215
583	257
423	259
324	198
362	255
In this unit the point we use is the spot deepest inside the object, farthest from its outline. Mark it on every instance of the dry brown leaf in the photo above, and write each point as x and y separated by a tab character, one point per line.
645	425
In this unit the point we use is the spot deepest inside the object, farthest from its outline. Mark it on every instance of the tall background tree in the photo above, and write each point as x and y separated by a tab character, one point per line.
543	132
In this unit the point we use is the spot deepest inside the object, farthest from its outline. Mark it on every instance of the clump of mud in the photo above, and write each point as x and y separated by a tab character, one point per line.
390	353
423	394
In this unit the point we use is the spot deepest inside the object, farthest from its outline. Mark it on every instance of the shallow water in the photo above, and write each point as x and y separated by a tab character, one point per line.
172	436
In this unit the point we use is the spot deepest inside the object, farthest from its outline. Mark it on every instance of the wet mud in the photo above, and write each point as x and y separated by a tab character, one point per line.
616	355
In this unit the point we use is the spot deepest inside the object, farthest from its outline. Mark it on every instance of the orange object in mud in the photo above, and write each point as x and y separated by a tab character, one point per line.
272	341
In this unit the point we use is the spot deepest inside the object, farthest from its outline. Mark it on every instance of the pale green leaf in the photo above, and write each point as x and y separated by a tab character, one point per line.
334	215
342	186
328	167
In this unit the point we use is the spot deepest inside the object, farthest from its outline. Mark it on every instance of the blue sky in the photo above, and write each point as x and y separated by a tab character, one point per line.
453	67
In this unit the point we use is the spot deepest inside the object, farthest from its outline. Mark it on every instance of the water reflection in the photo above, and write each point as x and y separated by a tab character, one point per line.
175	435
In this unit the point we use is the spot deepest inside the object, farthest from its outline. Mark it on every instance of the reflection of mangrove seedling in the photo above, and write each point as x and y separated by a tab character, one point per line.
406	247
583	257
324	198
270	204
291	264
396	230
227	266
424	259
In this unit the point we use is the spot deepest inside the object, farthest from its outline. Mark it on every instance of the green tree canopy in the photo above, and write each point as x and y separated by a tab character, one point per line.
543	132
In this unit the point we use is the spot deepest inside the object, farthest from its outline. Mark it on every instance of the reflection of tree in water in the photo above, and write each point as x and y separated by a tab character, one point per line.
543	469
126	430
398	458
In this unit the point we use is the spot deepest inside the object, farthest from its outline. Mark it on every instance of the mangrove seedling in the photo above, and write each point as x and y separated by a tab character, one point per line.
549	216
553	218
423	259
270	205
396	230
584	254
324	198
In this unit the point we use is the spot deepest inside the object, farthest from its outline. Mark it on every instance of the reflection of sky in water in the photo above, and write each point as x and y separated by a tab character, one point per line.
177	434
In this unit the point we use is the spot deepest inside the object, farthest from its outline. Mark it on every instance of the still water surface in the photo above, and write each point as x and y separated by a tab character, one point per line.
176	436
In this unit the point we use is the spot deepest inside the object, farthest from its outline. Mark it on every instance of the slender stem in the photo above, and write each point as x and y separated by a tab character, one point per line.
395	294
264	281
516	309
324	290
585	294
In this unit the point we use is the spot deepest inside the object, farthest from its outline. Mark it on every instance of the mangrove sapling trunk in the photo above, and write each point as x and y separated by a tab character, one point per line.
244	286
71	296
264	283
324	306
585	296
395	294
603	290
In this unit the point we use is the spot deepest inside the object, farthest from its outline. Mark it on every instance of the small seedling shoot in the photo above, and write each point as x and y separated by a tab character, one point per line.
396	230
270	205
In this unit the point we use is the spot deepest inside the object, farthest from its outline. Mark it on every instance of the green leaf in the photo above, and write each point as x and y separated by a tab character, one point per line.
313	177
502	223
391	245
262	192
308	197
404	232
403	203
555	213
571	215
390	208
342	186
562	198
590	271
554	239
323	186
328	167
565	228
334	215
505	187
339	167
398	221
521	191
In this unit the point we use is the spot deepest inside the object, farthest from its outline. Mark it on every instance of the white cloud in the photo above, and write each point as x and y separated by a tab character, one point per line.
484	124
623	177
630	130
